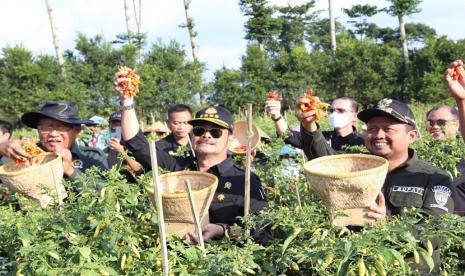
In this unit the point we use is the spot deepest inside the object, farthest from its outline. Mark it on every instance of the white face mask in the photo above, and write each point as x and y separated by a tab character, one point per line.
338	120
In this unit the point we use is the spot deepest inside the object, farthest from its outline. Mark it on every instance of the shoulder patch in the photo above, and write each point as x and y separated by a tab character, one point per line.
441	196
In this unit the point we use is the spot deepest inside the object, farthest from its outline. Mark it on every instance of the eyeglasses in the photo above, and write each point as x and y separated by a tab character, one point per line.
338	110
440	122
215	132
48	128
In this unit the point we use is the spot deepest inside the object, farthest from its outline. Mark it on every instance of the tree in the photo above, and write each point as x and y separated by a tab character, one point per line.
226	89
167	78
127	19
56	40
332	26
401	8
260	25
318	35
293	22
195	55
360	13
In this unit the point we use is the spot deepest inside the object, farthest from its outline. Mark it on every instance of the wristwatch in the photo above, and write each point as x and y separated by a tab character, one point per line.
277	119
126	107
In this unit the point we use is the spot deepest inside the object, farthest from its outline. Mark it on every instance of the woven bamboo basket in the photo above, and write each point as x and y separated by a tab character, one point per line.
176	207
240	137
39	182
349	183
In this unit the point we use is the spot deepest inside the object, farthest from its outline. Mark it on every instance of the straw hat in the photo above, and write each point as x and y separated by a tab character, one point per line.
157	127
176	207
239	142
38	182
348	183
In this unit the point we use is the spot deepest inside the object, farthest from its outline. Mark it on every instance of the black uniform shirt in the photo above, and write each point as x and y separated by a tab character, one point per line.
169	145
332	138
228	201
86	157
413	184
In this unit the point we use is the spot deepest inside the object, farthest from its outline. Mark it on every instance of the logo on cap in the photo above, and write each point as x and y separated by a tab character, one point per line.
210	112
385	104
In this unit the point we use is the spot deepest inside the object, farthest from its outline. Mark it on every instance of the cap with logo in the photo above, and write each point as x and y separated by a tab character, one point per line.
115	116
216	115
389	108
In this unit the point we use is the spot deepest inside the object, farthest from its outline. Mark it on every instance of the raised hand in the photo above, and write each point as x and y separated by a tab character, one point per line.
456	84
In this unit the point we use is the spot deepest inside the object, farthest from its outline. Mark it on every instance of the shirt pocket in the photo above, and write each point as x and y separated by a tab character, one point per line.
406	199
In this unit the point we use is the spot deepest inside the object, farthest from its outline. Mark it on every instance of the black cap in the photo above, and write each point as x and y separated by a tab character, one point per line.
115	116
63	111
389	108
217	115
7	125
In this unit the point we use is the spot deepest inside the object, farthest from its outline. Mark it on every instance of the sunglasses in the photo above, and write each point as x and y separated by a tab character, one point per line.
338	110
214	132
439	122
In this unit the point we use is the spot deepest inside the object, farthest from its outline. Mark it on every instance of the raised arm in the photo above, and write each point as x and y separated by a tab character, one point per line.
456	86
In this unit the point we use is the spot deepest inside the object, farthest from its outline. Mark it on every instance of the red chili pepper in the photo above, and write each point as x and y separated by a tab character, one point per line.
272	95
314	104
240	149
458	73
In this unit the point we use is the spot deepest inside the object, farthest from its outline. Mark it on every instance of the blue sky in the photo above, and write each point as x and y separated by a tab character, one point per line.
219	23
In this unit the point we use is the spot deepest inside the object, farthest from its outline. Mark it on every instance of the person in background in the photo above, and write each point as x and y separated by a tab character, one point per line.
410	182
442	122
178	123
456	87
99	136
58	126
6	133
117	154
342	120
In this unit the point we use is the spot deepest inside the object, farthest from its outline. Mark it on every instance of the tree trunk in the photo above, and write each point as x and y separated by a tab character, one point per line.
126	13
56	40
403	38
332	27
138	17
195	54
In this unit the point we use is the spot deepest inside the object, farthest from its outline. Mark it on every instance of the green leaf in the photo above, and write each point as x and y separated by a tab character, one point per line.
290	239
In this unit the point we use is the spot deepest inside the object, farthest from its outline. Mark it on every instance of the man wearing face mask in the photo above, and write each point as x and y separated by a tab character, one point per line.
342	119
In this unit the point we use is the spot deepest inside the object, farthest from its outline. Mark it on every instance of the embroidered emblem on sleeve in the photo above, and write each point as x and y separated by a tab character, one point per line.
77	164
441	195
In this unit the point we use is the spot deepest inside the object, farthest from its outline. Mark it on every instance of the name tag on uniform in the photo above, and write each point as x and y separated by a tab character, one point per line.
403	189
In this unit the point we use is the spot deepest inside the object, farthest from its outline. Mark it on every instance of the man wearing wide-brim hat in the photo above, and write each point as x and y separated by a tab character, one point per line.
212	132
58	125
410	182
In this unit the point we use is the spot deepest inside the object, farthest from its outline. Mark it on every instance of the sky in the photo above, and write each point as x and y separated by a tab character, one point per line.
219	23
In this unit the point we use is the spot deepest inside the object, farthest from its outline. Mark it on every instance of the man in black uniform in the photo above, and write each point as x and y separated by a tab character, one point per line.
212	129
58	126
410	182
178	123
342	119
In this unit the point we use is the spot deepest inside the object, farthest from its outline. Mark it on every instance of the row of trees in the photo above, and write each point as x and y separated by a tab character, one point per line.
289	50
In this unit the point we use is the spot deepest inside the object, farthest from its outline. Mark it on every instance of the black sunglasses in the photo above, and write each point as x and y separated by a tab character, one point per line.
440	122
200	130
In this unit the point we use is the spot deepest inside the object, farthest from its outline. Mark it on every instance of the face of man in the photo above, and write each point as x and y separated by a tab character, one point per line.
442	124
54	134
342	113
114	125
388	138
178	124
205	143
4	136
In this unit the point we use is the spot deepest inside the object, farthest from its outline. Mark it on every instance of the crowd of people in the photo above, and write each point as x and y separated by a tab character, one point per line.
391	128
